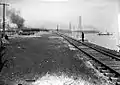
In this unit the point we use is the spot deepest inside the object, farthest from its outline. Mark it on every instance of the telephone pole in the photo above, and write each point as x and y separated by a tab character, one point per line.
4	7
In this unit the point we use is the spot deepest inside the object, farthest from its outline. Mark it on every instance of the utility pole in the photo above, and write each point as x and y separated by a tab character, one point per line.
4	7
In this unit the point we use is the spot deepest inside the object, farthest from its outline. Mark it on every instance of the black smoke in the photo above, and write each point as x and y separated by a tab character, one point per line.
15	17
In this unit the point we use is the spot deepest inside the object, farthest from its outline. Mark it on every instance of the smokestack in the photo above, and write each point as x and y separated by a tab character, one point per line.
70	25
80	21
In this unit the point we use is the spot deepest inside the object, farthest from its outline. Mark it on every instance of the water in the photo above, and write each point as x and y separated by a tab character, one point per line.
108	41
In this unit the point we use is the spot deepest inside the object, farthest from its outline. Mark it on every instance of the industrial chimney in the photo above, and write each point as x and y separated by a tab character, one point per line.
79	25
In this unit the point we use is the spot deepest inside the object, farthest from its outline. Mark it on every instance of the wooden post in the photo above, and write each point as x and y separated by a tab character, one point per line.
4	6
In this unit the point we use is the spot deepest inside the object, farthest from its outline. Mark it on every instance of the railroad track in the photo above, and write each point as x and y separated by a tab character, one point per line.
107	63
102	49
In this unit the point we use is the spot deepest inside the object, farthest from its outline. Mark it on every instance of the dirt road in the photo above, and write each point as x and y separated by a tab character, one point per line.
46	53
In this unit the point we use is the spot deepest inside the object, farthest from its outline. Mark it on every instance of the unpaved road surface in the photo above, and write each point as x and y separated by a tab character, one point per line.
46	53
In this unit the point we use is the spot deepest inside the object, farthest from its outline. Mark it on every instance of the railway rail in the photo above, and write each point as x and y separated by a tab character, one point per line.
103	49
107	63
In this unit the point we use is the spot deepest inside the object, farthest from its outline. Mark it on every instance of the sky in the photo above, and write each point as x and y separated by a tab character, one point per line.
101	14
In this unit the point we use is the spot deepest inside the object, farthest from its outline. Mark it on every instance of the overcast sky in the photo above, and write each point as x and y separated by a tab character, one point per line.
102	14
